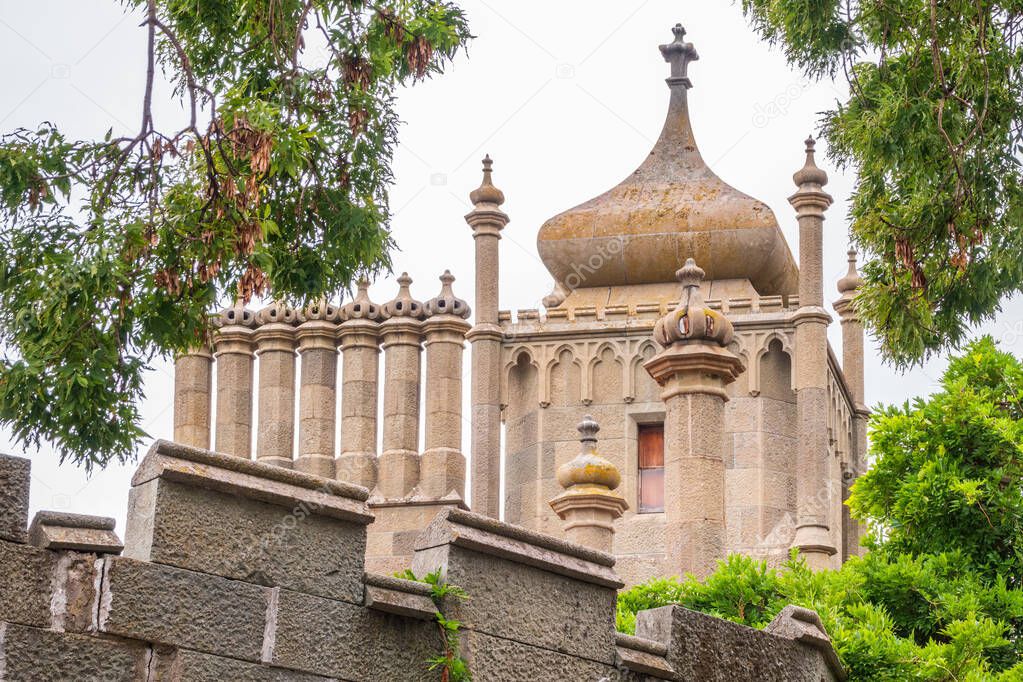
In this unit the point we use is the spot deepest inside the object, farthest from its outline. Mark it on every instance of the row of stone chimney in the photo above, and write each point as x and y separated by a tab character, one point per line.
285	339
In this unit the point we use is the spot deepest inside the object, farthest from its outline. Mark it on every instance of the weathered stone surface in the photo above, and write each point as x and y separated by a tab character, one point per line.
246	539
496	658
14	488
44	656
400	597
709	649
178	665
523	591
337	639
174	606
643	656
487	535
26	574
276	485
75	592
79	532
803	625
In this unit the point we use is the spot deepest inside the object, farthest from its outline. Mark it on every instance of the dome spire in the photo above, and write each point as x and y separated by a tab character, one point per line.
672	204
486	193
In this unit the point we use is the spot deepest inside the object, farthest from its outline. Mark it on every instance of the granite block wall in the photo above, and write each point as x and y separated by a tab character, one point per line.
236	570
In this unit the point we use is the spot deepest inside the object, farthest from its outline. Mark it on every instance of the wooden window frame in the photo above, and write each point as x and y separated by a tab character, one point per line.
656	472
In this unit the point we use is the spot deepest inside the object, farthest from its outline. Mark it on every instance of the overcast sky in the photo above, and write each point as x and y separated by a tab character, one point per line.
567	97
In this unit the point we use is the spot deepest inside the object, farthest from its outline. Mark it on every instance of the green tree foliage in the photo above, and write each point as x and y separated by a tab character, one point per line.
114	251
932	126
938	596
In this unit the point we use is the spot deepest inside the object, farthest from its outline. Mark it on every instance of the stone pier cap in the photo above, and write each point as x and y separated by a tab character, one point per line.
485	535
253	480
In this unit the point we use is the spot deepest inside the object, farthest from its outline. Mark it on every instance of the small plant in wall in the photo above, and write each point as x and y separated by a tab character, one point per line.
452	667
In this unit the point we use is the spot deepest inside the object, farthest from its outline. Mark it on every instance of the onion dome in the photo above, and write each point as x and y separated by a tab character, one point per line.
403	305
692	320
673	206
588	468
360	307
445	303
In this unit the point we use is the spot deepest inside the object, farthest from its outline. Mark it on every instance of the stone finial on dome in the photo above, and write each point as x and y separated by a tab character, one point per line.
486	193
236	315
588	468
679	53
852	280
446	303
360	307
692	320
403	305
810	174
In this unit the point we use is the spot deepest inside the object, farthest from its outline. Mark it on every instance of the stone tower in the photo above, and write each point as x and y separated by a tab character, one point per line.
784	436
730	424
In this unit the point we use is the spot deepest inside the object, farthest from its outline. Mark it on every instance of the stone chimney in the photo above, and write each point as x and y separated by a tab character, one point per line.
401	338
443	464
590	503
693	370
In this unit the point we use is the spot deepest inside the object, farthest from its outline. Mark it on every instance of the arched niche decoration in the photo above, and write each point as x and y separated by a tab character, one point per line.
605	376
564	377
642	388
774	371
521	383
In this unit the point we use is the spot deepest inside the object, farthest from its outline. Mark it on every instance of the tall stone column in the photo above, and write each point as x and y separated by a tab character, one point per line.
317	402
193	398
487	220
693	370
358	336
275	347
233	349
401	339
442	469
590	503
852	368
813	536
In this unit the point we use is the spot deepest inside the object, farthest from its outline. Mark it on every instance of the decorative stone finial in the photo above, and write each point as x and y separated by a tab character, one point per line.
679	53
277	313
852	280
236	315
446	303
588	468
360	307
486	193
589	505
321	310
403	305
810	174
692	320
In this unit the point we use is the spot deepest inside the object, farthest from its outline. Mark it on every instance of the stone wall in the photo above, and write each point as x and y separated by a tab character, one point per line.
238	570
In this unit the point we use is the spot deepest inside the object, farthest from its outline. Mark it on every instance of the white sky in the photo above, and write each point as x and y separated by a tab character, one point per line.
567	97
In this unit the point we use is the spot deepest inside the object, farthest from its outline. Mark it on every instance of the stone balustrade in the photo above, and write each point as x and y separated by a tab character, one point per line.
282	360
